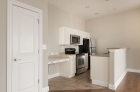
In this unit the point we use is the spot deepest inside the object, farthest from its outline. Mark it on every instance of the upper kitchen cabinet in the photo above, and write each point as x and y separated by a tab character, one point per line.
75	32
86	35
64	35
81	37
66	32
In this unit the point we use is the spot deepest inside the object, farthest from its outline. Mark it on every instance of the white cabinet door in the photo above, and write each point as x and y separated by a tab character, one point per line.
67	33
75	31
64	35
65	69
25	50
81	37
68	69
73	66
86	35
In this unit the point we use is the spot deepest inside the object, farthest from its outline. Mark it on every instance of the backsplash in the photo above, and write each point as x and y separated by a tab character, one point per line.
63	51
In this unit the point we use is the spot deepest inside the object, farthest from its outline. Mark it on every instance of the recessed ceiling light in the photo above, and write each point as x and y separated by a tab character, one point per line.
96	13
114	8
87	6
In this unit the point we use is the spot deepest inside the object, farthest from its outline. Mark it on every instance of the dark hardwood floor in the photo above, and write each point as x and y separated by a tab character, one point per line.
131	83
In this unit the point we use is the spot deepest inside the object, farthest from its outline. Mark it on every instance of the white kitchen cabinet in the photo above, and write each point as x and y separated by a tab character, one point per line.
86	35
81	37
68	69
74	32
64	35
86	61
65	32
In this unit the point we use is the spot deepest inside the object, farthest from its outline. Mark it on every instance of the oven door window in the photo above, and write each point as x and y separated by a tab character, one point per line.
80	63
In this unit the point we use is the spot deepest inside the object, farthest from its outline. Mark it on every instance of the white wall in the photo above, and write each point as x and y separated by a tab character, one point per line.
118	30
57	18
118	65
3	46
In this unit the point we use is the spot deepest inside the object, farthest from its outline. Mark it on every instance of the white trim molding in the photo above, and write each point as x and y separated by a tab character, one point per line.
53	75
100	83
133	70
120	79
113	87
46	89
10	3
67	75
60	74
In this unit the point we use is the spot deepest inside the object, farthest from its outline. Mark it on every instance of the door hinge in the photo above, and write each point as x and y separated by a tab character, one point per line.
38	21
38	80
38	51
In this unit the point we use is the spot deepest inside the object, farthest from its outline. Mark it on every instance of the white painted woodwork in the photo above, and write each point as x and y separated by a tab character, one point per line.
99	73
68	69
64	35
81	37
86	35
25	50
65	32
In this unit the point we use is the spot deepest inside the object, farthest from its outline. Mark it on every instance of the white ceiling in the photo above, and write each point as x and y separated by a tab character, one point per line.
103	7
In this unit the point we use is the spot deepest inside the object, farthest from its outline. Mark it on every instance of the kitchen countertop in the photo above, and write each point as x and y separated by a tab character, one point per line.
67	54
100	55
57	58
60	58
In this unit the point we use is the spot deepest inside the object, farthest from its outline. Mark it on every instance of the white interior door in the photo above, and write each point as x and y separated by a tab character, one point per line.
25	50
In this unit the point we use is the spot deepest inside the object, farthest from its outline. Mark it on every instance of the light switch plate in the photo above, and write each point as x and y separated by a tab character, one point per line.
44	47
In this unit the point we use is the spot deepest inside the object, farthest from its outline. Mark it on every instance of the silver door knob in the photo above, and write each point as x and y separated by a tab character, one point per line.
16	59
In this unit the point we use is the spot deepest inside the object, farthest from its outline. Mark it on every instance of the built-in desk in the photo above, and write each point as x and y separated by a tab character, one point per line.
67	65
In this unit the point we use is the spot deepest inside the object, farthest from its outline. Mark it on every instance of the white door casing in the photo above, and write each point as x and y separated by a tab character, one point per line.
25	50
24	63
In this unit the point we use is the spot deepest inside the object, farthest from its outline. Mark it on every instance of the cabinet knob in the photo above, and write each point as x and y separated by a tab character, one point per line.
16	59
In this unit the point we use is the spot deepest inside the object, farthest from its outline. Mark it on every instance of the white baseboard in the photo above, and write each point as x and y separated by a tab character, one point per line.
53	75
46	89
60	74
66	75
113	87
133	70
100	83
120	80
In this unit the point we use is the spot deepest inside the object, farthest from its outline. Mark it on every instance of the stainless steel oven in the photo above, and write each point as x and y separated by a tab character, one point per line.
74	39
80	63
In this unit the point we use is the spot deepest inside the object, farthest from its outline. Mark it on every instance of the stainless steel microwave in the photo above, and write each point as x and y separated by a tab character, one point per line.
74	39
